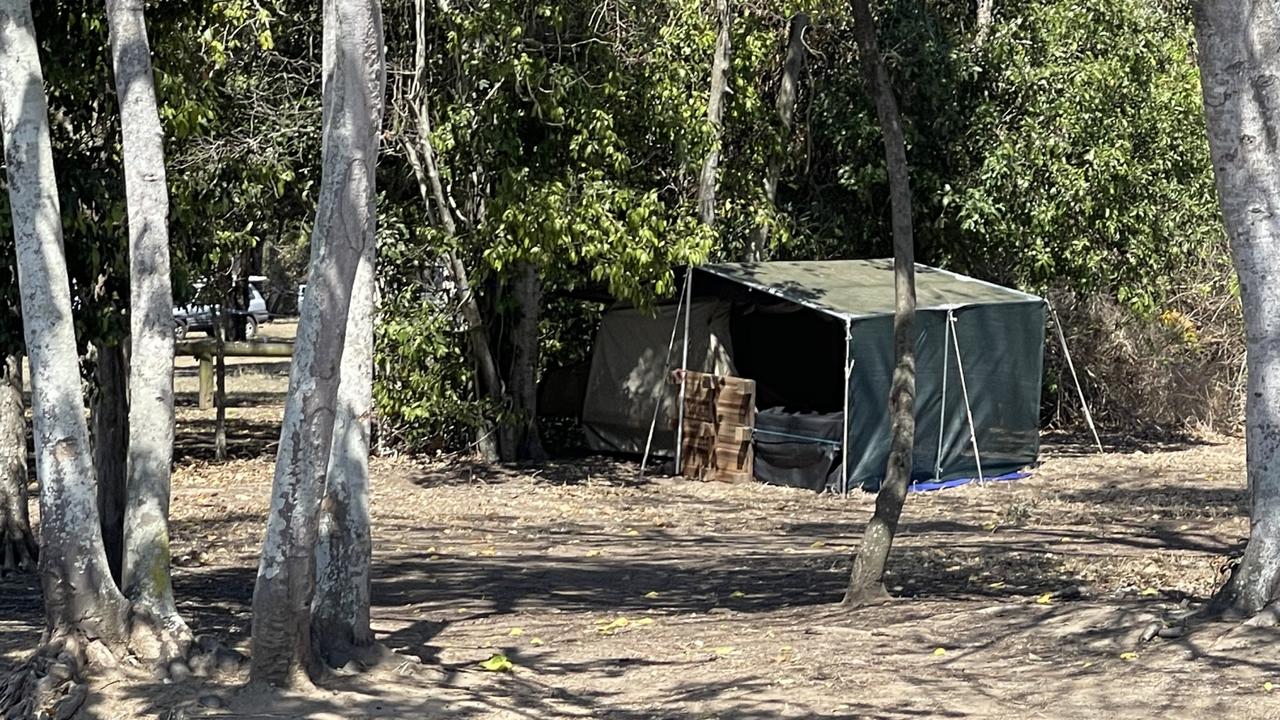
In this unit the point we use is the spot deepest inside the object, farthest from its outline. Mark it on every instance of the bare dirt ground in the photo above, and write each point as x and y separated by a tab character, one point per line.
615	597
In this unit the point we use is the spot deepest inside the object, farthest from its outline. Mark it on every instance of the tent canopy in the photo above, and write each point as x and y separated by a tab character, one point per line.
856	289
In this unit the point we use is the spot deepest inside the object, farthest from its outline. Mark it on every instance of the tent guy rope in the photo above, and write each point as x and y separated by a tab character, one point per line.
1066	353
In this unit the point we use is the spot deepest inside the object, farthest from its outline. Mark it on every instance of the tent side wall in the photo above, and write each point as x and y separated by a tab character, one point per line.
1002	352
629	370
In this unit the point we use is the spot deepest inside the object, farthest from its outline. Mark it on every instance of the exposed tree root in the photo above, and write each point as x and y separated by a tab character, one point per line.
158	639
1268	617
201	657
1169	629
1242	598
350	659
874	594
51	684
208	657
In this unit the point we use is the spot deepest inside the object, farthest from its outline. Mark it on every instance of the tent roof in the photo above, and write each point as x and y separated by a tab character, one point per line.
852	289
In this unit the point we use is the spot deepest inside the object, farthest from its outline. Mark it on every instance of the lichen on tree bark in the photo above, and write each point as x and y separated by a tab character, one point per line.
354	84
1237	43
80	597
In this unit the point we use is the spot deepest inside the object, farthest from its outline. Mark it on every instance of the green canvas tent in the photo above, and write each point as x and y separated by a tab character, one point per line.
817	337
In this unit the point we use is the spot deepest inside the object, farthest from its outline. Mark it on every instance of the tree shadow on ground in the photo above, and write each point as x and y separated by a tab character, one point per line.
1214	501
246	440
1076	443
592	469
545	685
21	612
717	562
417	589
235	399
439	694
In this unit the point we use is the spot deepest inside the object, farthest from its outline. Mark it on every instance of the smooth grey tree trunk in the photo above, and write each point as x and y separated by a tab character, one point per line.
866	581
520	437
158	629
110	434
720	60
422	158
80	598
344	554
985	16
17	544
788	88
354	83
1238	47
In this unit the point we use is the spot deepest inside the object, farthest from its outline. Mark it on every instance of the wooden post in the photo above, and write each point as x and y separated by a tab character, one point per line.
205	349
234	348
206	382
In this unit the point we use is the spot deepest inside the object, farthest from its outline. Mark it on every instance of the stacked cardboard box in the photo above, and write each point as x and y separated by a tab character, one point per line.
719	415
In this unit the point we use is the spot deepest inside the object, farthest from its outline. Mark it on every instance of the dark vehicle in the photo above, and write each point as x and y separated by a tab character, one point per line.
200	317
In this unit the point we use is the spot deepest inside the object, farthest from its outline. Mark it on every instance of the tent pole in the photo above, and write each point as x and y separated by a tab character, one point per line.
844	441
684	369
964	390
942	414
657	406
1088	416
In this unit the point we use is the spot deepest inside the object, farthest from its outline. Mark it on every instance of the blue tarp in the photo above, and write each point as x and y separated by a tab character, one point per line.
930	486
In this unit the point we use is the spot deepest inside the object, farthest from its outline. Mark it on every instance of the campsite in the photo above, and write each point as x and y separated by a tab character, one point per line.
1035	590
620	596
679	359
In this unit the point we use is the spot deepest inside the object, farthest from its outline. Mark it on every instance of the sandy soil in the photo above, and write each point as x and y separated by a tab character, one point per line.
616	597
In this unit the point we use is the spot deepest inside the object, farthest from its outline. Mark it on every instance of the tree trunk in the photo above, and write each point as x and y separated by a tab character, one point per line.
220	330
80	598
151	416
110	445
354	81
1239	69
985	16
866	582
488	381
520	440
340	613
796	52
715	114
422	158
17	544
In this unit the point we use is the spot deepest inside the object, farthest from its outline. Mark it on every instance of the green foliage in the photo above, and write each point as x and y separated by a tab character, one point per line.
1096	173
570	139
543	112
1065	151
1068	150
239	88
239	153
422	392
